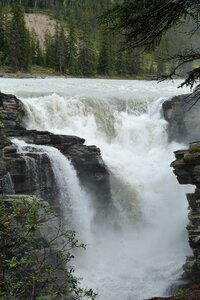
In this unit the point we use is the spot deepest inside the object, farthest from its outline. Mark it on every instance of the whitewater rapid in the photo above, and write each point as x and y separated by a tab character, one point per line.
145	252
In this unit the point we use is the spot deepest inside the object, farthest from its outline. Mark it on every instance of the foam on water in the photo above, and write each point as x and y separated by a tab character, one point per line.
144	253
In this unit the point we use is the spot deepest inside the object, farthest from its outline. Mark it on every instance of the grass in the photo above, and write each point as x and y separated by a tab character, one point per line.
37	71
195	149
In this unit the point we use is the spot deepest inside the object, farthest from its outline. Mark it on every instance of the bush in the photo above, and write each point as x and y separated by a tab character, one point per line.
35	253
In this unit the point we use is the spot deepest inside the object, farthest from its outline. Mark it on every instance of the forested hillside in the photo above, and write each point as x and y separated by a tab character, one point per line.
79	46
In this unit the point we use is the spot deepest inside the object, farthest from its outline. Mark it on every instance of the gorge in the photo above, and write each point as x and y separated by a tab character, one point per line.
123	201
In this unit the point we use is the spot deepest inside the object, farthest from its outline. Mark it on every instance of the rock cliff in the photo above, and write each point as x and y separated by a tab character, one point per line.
32	173
187	169
182	114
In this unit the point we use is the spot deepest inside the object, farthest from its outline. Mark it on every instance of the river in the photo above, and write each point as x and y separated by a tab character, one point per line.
144	253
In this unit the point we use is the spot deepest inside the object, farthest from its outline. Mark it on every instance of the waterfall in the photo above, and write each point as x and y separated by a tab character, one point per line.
32	173
71	196
7	185
144	253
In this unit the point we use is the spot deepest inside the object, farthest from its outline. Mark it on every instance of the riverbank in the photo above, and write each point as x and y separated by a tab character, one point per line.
42	72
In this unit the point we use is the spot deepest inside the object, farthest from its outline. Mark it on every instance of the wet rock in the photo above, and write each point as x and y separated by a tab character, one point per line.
187	169
32	173
182	114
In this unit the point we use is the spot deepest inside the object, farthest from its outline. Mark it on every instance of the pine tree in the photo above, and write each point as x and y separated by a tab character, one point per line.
3	36
60	49
88	56
104	60
72	48
20	55
50	51
37	57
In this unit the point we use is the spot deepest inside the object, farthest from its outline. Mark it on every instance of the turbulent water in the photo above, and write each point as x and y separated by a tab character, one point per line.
144	253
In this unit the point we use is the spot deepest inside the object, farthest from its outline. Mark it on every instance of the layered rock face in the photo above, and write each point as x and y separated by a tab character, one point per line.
182	114
187	169
32	173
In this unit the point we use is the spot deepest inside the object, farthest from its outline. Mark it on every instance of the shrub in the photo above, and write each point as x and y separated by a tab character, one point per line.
35	253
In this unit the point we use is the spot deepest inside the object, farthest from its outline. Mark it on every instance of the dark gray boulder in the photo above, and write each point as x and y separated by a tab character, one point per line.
183	116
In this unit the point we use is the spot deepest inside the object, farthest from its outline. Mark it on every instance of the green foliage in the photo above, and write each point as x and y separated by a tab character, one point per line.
37	56
181	292
32	265
87	58
19	43
57	50
3	38
104	56
82	47
146	24
71	48
195	149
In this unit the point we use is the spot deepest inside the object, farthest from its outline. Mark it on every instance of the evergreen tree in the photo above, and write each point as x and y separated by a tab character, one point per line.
3	37
104	60
87	57
56	48
145	25
60	49
50	51
134	63
72	48
20	55
37	57
121	62
84	49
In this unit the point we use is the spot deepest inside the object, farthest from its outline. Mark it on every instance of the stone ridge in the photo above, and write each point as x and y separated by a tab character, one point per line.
187	170
32	173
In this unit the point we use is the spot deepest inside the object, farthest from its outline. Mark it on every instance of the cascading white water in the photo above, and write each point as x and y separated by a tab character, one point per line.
142	256
72	197
7	184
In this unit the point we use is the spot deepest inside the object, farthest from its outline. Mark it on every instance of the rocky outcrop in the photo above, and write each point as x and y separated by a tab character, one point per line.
182	114
32	173
187	169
